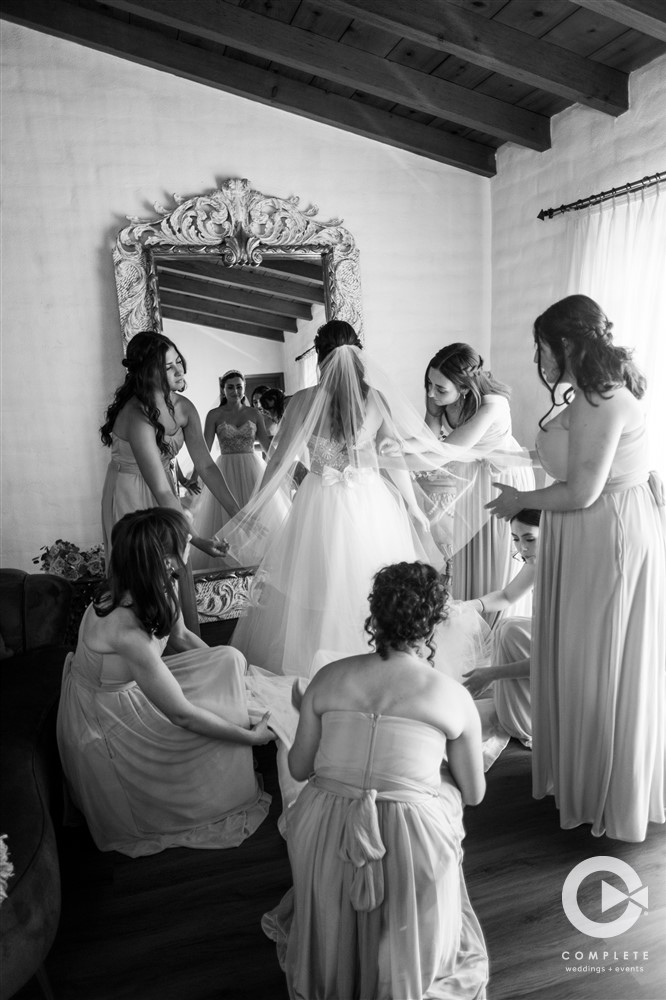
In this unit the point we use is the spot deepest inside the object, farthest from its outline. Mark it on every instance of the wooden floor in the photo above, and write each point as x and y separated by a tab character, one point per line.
185	924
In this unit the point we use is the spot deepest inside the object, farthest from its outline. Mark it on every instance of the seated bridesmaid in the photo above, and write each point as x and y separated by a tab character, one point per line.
157	752
379	906
512	637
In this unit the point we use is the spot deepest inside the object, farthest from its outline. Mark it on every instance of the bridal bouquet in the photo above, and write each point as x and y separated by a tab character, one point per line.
69	561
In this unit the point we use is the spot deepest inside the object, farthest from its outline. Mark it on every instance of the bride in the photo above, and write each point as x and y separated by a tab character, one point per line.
354	512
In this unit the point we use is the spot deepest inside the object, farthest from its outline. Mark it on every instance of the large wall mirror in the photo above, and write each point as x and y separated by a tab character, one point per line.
237	279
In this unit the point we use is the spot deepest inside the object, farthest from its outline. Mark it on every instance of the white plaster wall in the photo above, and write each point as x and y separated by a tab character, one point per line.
89	139
590	153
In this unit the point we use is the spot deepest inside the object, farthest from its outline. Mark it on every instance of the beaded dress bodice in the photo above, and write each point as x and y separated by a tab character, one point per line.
236	440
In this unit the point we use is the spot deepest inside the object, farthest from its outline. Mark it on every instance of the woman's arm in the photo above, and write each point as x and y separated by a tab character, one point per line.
499	600
142	440
465	755
283	442
202	458
162	689
308	736
209	428
469	434
181	639
481	678
594	433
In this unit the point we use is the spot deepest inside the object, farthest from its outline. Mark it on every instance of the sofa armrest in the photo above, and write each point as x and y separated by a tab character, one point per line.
34	609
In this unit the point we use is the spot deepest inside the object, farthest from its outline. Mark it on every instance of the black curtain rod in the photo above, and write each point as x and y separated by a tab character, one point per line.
596	199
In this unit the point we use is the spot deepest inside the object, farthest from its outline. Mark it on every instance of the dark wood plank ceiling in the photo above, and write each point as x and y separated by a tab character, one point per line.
451	80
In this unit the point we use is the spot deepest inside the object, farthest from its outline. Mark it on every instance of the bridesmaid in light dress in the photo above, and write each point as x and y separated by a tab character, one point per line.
468	408
146	425
599	641
379	906
237	427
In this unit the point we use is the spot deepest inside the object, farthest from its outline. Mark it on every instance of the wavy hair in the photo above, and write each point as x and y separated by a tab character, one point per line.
463	366
406	603
145	362
345	411
596	363
141	543
273	399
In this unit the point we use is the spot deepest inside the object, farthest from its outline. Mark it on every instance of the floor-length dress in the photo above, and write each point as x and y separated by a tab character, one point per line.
242	467
310	592
512	641
485	562
125	490
599	648
379	906
143	783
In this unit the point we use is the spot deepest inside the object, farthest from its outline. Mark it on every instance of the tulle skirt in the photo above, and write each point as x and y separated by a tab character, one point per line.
242	472
311	590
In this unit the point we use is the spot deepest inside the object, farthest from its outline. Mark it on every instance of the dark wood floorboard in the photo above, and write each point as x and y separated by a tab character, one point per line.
185	924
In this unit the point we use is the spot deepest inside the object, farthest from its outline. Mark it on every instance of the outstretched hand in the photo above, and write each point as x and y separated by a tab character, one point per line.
215	547
507	504
479	681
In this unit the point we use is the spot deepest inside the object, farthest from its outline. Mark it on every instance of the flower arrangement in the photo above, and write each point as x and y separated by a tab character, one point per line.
69	561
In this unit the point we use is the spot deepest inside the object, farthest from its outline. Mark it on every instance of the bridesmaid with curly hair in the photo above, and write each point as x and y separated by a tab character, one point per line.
379	906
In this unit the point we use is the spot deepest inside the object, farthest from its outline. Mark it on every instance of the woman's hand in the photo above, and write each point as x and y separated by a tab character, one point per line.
507	504
260	733
211	546
193	485
479	681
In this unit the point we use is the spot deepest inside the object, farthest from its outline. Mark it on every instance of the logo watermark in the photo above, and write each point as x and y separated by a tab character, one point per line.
636	897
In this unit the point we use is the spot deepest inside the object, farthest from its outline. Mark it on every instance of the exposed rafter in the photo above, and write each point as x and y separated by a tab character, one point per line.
304	51
648	16
496	47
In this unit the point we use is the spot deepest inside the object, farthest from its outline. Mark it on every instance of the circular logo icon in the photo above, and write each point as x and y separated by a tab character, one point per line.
635	897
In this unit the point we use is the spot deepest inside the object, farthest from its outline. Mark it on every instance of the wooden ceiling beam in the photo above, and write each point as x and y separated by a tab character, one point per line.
229	326
228	311
205	288
648	16
304	51
243	277
295	269
149	48
497	47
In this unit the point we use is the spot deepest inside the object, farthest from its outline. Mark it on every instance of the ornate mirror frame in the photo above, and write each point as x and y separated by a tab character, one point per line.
242	226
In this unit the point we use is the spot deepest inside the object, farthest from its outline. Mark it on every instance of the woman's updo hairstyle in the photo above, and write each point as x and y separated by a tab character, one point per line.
141	544
463	366
350	391
145	362
528	516
595	362
232	373
407	602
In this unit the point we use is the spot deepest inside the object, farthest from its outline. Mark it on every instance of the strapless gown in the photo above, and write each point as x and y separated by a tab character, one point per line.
379	906
485	563
145	784
599	648
242	468
125	490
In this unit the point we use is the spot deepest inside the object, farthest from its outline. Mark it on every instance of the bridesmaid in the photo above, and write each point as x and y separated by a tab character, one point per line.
599	640
146	425
469	409
237	427
379	906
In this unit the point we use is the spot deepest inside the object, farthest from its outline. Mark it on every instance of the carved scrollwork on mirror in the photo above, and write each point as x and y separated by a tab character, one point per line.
241	227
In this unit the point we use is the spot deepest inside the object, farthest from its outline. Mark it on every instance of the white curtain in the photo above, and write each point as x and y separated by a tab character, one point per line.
618	258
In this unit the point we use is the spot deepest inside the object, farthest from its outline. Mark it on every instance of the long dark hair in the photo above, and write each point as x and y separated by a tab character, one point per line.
406	603
338	333
146	368
141	543
528	516
273	399
596	363
463	366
